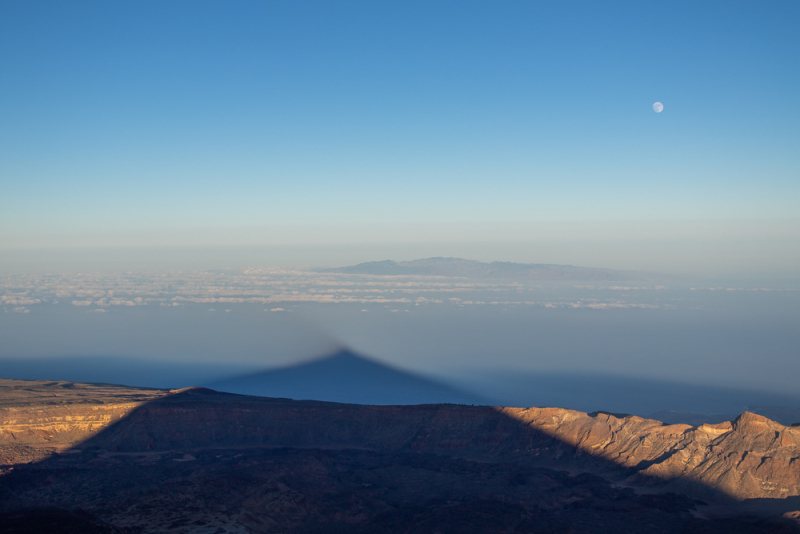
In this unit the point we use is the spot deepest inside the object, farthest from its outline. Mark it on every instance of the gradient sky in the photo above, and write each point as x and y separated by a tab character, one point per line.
169	123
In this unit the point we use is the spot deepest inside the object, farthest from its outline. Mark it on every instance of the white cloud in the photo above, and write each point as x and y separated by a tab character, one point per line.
15	300
424	300
21	309
276	290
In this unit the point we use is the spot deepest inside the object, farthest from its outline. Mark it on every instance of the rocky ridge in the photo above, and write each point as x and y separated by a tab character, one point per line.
751	457
176	461
39	418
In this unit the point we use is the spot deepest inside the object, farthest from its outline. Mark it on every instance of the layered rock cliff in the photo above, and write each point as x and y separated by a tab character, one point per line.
751	457
39	418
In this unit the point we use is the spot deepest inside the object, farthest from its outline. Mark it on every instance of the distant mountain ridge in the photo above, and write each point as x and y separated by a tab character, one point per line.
461	268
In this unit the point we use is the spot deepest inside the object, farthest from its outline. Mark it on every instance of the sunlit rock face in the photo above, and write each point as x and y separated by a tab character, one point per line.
153	458
40	418
750	457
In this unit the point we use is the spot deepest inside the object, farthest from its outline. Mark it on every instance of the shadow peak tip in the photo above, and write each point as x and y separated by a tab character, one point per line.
194	390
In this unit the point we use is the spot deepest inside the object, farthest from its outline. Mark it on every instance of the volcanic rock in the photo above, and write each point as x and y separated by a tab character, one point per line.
195	460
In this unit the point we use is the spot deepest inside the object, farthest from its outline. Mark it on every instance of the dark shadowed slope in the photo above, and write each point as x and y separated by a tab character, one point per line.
346	377
197	461
458	267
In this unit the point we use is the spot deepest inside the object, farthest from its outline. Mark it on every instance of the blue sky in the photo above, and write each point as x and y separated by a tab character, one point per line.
153	119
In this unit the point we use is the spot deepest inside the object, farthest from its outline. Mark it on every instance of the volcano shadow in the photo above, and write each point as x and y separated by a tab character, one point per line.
348	378
199	458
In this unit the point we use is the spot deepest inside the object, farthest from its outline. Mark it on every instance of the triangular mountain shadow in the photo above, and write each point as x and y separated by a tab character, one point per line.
346	377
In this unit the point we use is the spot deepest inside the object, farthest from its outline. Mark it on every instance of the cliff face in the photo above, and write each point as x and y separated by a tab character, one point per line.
39	418
110	459
751	457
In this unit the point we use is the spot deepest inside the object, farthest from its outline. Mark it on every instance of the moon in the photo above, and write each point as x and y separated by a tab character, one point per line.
658	107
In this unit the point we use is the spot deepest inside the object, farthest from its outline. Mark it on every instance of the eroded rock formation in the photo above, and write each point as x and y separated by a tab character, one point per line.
148	459
751	457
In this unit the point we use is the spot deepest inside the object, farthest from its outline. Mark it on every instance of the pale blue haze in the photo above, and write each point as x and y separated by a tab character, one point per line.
152	123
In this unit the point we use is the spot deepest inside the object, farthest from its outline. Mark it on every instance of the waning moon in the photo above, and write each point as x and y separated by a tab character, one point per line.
658	107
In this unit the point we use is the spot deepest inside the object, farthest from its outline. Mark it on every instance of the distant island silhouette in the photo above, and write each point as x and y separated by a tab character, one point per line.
458	267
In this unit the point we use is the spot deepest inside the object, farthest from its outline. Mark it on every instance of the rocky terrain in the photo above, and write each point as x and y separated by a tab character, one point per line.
41	418
99	458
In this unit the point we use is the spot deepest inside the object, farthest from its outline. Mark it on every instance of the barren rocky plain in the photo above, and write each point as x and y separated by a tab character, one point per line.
94	458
